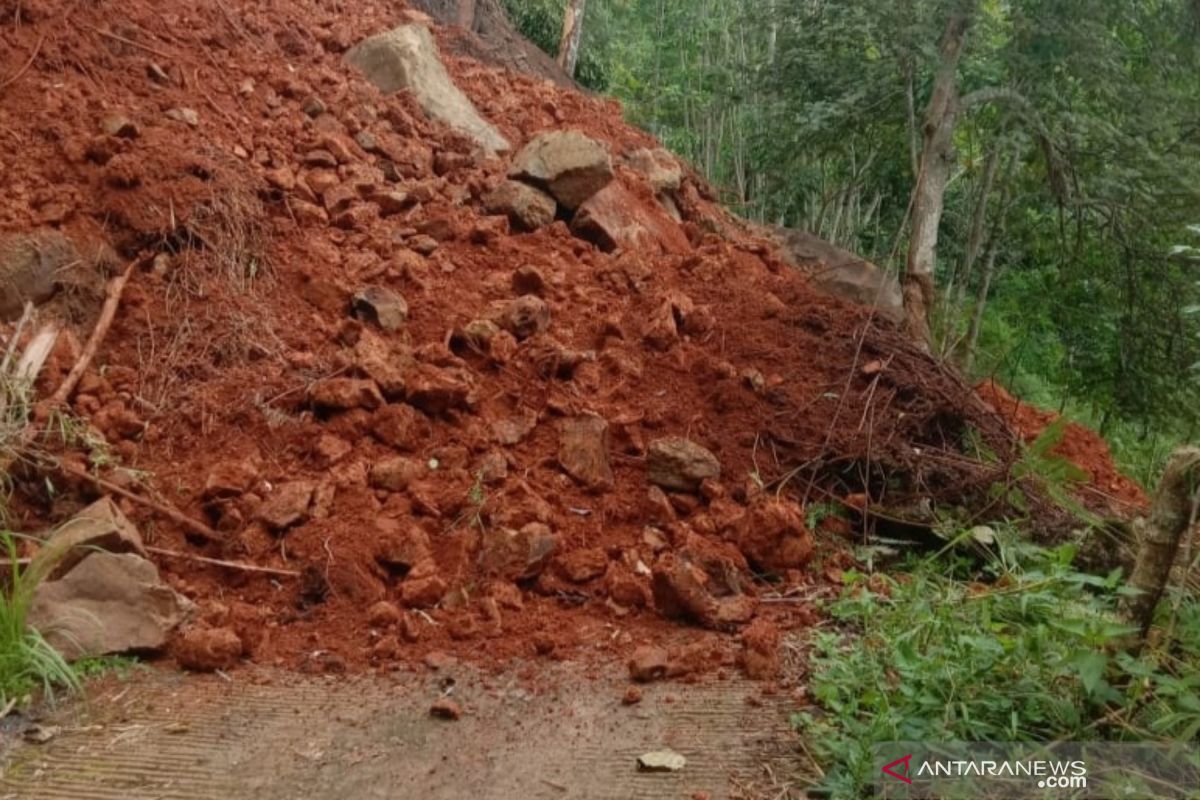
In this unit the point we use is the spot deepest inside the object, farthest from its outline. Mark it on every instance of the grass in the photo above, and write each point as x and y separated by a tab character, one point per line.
1021	648
27	661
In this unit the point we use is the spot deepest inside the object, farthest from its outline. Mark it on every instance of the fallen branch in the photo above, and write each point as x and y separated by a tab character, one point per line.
216	562
111	301
170	512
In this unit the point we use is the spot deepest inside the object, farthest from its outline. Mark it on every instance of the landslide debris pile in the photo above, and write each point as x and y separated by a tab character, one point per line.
483	365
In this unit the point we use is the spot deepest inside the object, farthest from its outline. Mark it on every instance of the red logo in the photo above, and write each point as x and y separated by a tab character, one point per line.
897	775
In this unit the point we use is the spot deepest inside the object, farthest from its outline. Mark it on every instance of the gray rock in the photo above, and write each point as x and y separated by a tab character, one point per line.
661	761
29	267
680	464
569	165
109	603
188	116
381	306
659	167
100	526
408	58
839	272
526	207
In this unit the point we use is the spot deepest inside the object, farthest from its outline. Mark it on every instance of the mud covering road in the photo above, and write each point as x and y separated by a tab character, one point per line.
274	736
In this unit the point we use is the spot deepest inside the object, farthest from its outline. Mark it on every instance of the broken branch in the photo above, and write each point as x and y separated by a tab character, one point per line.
170	512
217	562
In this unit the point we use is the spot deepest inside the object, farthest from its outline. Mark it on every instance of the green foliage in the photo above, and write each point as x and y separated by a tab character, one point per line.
540	21
26	660
1024	649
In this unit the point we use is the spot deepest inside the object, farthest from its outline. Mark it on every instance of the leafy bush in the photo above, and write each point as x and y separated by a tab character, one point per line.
1025	649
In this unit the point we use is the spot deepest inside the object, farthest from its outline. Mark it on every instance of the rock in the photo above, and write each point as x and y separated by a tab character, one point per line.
581	566
525	316
287	506
384	615
399	426
760	650
438	391
680	464
617	219
703	581
422	592
100	526
661	761
188	116
395	474
632	696
400	547
208	649
445	708
659	167
526	207
569	165
423	244
660	330
583	452
109	603
517	555
381	362
839	272
120	126
343	394
330	449
528	280
492	468
773	535
29	267
313	106
380	306
230	479
648	663
407	58
513	430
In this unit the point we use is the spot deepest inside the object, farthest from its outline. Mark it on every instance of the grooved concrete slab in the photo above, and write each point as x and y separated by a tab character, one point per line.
530	733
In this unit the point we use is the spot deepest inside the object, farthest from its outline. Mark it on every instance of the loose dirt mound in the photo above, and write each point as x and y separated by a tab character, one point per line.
332	355
1080	445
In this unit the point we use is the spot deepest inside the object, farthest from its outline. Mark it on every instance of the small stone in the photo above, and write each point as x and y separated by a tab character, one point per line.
632	696
680	464
383	615
661	761
425	245
119	125
445	708
313	106
583	452
380	306
230	479
525	316
581	566
648	663
399	426
395	474
422	592
208	649
287	506
343	394
188	116
528	280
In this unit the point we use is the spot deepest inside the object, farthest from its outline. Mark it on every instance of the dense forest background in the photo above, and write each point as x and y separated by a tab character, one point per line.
1068	263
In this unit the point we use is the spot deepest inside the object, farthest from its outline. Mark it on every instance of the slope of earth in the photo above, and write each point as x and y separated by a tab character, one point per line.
483	465
1080	445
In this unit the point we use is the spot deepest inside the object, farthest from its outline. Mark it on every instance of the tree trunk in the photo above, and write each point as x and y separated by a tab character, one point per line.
978	235
1172	516
981	300
572	34
937	158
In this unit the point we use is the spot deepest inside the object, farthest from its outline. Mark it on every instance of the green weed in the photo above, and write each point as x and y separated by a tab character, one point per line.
1025	648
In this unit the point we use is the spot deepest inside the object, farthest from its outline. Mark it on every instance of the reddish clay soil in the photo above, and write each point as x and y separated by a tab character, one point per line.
1080	445
209	383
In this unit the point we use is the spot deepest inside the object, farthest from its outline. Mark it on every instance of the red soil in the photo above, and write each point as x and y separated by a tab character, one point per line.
207	367
1080	445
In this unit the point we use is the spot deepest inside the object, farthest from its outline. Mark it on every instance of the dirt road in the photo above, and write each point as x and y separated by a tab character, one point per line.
269	735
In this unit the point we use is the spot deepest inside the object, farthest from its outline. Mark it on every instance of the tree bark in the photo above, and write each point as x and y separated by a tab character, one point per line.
1172	516
937	158
978	235
572	34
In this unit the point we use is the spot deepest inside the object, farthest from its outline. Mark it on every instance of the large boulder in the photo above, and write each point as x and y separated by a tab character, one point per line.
408	58
526	207
616	218
570	166
109	603
839	272
29	267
